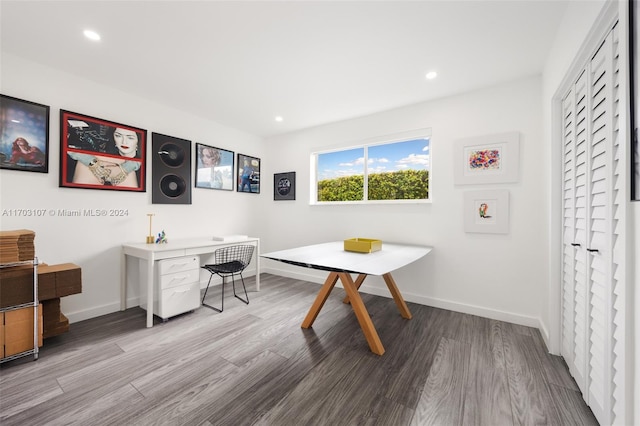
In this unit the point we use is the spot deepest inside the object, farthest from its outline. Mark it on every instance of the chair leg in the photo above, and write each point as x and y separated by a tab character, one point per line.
205	295
245	289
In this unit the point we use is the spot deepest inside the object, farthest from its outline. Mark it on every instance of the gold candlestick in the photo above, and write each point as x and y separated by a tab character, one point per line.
150	236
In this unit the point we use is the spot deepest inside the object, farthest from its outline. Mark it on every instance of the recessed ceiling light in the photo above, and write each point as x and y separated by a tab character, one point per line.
13	120
279	118
92	35
431	75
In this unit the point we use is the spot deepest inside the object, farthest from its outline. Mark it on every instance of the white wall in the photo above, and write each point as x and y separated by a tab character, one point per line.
93	243
498	276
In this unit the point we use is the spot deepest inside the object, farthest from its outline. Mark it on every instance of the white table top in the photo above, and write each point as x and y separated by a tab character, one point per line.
332	257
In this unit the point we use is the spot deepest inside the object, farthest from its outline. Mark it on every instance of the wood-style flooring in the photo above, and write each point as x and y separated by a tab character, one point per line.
254	365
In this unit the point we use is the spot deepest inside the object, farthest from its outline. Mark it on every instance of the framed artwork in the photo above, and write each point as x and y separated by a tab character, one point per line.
486	211
101	154
170	169
248	174
214	167
634	57
284	186
24	135
487	159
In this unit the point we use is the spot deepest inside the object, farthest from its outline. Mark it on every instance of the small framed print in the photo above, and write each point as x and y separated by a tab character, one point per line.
248	175
487	159
101	154
214	168
24	135
284	186
486	211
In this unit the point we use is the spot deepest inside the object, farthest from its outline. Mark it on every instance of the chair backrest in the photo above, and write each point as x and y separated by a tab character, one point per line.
240	253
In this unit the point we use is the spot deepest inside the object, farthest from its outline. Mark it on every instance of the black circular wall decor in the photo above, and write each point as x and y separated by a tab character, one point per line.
171	154
172	186
171	170
284	186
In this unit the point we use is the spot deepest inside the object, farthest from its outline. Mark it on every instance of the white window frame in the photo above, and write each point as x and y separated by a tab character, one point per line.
380	140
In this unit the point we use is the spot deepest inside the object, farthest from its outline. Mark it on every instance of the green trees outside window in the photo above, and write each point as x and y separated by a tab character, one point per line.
397	170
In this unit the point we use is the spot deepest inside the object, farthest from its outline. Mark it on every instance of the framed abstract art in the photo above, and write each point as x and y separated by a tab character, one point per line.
487	159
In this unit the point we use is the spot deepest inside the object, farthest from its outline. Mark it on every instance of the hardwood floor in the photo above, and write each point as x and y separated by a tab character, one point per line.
254	365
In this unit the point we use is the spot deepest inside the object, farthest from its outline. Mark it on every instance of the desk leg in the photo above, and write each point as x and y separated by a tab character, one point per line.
257	265
360	310
320	299
358	283
150	269
402	306
123	281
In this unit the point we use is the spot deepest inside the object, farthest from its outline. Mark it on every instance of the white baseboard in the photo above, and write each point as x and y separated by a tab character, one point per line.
96	311
545	335
319	278
133	301
480	311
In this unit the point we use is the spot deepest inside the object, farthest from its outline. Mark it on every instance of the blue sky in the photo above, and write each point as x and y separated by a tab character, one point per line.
412	154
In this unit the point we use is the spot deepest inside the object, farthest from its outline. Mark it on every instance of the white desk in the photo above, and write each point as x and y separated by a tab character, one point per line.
332	257
172	249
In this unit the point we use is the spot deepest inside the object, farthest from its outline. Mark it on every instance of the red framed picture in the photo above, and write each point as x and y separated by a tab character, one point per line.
101	154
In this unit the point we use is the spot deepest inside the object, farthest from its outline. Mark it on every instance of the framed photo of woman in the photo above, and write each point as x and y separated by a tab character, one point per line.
101	154
248	175
24	135
214	168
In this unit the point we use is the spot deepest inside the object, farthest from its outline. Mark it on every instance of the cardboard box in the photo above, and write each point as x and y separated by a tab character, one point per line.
1	334
61	326
46	283
16	284
54	322
68	278
18	330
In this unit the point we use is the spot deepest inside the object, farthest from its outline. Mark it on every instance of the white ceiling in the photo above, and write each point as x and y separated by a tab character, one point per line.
242	63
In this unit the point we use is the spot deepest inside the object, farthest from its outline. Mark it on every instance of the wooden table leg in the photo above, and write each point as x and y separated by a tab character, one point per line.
320	299
362	315
402	306
357	283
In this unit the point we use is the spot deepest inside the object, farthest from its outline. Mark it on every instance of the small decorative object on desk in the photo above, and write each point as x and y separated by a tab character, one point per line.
162	238
362	245
150	236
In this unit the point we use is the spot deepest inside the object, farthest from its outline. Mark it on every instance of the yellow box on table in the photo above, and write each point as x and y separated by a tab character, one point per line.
362	245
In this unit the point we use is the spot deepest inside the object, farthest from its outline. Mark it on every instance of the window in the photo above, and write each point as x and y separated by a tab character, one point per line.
388	169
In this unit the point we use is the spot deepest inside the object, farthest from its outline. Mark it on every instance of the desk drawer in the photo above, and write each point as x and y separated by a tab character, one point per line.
185	263
178	300
179	278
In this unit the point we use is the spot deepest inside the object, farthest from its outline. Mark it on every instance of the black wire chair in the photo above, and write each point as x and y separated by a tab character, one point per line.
229	262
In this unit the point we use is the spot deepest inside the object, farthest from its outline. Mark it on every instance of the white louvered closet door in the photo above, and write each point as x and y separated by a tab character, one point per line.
574	315
593	246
